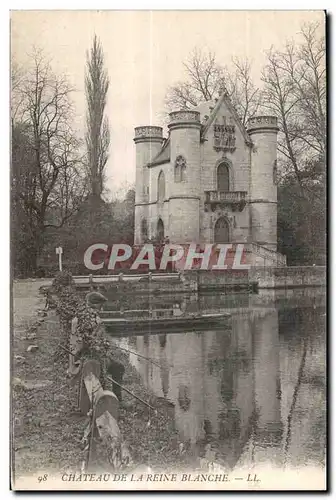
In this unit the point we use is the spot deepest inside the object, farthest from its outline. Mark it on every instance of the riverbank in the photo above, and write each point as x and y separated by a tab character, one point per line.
47	429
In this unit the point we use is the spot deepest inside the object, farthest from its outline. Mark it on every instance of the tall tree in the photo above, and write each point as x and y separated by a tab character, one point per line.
97	125
295	91
206	79
47	186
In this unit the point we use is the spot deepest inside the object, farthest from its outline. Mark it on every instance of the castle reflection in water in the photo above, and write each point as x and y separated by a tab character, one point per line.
254	389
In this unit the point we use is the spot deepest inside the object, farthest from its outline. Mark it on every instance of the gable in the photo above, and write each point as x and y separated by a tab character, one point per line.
221	112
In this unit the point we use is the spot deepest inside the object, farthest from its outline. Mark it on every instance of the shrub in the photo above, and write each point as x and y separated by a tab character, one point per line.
62	280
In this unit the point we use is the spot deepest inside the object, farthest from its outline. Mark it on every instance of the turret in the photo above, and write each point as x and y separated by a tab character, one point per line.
148	141
184	190
263	189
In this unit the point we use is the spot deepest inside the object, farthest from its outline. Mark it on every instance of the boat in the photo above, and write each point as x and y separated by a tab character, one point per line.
145	325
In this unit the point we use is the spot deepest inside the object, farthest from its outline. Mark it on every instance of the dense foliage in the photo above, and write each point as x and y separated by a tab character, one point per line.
70	304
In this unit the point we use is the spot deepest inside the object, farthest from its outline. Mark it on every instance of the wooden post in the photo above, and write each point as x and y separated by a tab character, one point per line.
105	426
105	413
107	401
75	346
59	251
90	367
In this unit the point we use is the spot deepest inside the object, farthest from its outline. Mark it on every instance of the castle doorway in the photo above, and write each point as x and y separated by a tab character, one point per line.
160	231
222	231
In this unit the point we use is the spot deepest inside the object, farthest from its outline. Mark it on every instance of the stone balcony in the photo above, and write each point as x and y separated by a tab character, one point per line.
234	200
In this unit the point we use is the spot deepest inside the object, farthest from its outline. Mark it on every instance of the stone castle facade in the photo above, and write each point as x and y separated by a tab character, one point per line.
211	181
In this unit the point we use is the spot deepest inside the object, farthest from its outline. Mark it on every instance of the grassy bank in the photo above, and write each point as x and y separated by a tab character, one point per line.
48	430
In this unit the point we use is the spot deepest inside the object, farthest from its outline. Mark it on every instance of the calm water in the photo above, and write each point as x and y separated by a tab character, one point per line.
254	390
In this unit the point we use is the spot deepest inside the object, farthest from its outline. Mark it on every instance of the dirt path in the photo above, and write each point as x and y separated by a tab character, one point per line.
46	431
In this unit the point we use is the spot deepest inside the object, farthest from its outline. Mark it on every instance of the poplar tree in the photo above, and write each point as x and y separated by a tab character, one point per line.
97	125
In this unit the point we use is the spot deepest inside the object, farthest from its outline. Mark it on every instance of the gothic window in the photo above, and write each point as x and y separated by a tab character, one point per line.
161	186
222	231
160	230
223	177
144	231
180	169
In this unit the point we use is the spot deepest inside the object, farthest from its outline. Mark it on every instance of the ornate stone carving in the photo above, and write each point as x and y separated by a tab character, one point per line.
260	122
184	116
223	214
224	136
148	131
234	201
180	169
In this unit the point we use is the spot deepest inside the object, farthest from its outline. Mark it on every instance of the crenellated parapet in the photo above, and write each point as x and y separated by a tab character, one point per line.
262	124
148	134
184	119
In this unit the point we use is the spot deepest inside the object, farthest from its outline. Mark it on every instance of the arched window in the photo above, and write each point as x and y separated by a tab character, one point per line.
144	230
223	177
161	186
180	169
160	230
222	231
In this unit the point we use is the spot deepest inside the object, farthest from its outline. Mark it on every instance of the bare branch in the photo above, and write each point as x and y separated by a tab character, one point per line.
44	149
206	79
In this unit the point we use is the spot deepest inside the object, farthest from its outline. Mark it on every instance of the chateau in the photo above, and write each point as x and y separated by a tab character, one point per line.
211	181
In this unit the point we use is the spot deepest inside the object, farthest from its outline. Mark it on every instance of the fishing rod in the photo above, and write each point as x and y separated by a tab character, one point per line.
131	393
113	381
139	355
122	348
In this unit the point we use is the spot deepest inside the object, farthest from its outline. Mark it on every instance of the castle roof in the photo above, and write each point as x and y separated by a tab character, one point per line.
163	155
208	111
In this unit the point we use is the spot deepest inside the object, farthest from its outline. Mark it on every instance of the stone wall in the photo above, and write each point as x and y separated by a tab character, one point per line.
258	277
288	277
222	279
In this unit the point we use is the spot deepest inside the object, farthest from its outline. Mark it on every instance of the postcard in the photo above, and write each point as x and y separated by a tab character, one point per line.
168	250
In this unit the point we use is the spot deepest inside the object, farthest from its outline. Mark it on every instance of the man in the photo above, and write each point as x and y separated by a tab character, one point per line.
95	300
115	369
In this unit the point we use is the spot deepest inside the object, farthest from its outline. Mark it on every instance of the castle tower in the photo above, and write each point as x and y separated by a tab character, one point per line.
184	193
263	189
148	141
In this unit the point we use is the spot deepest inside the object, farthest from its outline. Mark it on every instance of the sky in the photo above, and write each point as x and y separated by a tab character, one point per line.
144	53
